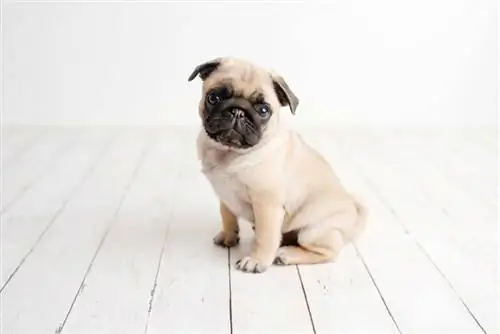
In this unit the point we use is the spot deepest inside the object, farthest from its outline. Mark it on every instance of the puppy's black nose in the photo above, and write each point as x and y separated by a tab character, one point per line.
237	112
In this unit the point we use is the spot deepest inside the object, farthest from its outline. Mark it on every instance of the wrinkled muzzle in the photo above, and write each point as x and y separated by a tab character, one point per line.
232	127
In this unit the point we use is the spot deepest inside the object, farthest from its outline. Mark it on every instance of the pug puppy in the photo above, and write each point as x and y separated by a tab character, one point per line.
266	174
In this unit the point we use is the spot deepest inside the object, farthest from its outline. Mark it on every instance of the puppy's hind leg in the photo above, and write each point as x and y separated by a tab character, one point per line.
322	242
315	245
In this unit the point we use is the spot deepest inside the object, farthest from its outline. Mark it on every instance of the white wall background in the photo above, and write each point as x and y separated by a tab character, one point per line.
353	62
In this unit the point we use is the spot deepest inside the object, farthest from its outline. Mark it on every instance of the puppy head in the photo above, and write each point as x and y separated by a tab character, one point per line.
241	101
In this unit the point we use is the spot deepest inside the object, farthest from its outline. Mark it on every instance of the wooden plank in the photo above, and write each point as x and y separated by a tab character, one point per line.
270	302
130	255
446	199
42	292
29	218
12	138
475	169
191	292
411	286
487	136
343	299
470	165
463	162
18	177
450	240
16	141
342	296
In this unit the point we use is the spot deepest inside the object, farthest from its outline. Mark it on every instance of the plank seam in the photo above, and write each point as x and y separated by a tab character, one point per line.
126	191
386	202
63	206
56	156
306	300
24	147
157	273
158	267
230	291
422	249
377	288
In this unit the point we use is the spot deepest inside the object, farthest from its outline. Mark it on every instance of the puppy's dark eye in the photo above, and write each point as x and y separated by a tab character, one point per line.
264	110
213	98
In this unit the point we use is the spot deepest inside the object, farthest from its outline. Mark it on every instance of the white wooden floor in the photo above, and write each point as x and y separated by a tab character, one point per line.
109	230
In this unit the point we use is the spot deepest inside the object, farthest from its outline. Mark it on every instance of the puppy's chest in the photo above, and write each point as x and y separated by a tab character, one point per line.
231	190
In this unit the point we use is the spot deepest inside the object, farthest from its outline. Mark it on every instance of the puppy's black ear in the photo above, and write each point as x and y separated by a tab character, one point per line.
205	69
285	94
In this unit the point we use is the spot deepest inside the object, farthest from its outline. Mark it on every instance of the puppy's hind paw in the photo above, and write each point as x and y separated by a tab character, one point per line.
282	257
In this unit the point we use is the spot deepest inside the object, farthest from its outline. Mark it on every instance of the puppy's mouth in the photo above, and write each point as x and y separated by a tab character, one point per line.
230	138
232	128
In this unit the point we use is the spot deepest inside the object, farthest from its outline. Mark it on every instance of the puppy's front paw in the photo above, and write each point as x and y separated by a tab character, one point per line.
249	264
224	239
